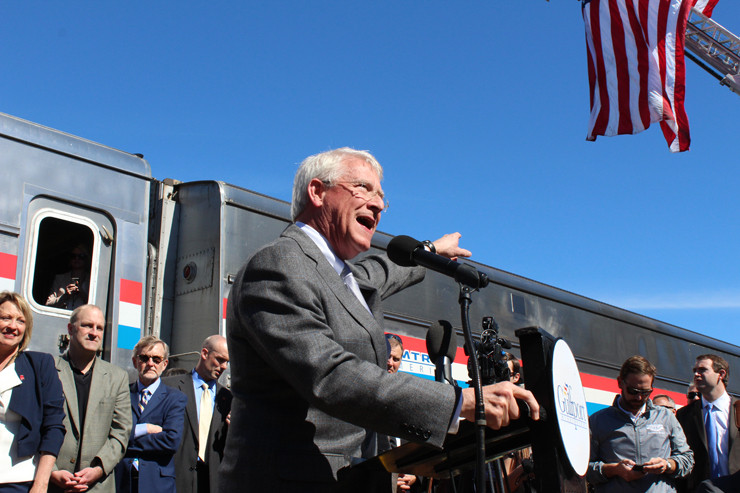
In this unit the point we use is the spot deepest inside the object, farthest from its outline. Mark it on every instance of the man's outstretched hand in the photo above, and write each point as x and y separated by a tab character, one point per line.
447	246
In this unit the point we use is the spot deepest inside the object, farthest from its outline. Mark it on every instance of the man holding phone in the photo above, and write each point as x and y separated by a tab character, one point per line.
634	441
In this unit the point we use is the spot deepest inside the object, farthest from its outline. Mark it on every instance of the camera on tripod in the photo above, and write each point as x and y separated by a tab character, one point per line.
490	354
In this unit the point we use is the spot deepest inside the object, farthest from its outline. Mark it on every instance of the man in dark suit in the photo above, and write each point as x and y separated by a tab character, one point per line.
305	328
158	415
204	434
711	374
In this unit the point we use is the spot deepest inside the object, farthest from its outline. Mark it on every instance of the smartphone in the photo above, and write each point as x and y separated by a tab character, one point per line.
637	467
76	281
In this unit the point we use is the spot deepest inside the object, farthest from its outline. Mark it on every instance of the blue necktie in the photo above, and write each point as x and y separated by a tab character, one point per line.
711	427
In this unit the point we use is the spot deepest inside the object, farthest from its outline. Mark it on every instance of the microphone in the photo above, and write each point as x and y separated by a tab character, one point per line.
442	346
408	252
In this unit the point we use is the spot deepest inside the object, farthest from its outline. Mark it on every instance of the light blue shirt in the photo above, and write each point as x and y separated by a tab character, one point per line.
197	383
140	429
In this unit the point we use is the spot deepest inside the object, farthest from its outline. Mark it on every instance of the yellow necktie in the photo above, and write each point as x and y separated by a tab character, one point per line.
206	413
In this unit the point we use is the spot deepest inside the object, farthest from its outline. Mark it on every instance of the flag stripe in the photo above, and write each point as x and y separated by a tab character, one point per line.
636	68
706	7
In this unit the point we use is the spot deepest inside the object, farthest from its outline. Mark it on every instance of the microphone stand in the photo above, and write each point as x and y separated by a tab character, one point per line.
465	300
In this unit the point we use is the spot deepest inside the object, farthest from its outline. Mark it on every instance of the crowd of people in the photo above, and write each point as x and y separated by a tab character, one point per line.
315	387
648	445
74	423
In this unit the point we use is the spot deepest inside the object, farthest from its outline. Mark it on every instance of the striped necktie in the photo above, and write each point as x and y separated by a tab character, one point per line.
144	396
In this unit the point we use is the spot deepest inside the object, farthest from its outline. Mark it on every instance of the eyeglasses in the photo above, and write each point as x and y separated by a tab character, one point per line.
394	336
77	256
633	391
361	190
144	358
692	395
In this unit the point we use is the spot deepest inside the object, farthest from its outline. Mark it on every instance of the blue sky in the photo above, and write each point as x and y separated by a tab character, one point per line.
477	110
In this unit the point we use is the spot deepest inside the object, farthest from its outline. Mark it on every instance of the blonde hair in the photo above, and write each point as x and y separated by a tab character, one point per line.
25	309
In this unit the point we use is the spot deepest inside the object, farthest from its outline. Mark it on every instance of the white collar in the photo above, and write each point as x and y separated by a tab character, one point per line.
633	416
323	244
722	402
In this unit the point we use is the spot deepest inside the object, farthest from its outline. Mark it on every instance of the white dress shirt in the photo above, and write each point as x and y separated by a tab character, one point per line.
722	421
12	470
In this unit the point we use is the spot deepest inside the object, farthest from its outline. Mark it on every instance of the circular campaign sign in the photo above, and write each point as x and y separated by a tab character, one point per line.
570	407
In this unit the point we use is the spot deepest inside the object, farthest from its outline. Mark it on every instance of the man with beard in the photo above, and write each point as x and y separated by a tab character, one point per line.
635	445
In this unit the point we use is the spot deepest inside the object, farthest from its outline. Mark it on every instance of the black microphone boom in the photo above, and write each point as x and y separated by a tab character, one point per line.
408	252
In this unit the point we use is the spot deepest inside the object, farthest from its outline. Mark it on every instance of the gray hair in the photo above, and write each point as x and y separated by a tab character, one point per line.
327	167
151	341
663	396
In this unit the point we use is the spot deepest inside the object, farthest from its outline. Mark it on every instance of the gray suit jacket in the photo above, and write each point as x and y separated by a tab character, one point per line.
107	421
309	373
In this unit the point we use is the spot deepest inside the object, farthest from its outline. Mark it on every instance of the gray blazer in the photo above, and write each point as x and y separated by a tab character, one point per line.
309	373
107	421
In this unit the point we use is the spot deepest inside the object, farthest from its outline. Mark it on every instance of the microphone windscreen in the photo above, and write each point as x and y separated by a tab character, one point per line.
400	249
441	340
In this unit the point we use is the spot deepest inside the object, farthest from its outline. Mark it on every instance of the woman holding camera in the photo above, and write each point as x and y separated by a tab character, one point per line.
69	290
31	403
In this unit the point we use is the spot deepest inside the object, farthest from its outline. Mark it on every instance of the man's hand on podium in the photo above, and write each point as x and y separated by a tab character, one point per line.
500	403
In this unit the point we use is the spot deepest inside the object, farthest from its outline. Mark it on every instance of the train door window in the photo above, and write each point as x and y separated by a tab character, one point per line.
68	259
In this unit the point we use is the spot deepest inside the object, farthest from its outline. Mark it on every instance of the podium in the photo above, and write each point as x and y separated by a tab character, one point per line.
559	439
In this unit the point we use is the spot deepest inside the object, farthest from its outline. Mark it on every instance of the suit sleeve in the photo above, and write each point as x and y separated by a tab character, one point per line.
387	277
680	451
279	306
120	428
168	440
52	424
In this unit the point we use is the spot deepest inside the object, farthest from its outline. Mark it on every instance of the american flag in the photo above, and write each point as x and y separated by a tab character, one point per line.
636	67
705	6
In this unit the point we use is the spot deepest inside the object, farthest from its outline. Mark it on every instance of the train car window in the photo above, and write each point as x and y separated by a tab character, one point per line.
68	257
63	264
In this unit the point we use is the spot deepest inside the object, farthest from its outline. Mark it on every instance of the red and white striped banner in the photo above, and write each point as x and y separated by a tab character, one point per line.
636	67
705	6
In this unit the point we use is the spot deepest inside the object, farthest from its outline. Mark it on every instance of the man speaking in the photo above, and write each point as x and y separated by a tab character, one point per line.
305	331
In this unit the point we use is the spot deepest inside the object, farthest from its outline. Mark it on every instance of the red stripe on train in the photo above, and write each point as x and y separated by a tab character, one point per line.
131	292
8	264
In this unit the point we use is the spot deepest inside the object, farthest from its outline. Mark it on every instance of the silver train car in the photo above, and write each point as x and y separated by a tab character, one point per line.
163	256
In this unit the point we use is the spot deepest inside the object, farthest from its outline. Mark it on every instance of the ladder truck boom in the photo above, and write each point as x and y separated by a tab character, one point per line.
714	48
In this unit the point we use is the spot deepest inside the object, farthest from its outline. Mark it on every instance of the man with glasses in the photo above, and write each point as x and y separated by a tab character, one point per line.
206	418
97	407
159	414
710	426
666	401
309	362
692	394
635	445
